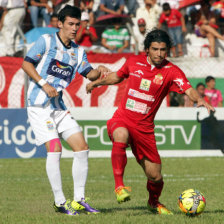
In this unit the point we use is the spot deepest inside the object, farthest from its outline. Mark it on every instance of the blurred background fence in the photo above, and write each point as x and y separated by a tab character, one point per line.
12	80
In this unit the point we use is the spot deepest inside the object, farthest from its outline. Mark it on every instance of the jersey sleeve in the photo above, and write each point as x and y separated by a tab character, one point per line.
179	82
36	52
84	67
123	72
178	14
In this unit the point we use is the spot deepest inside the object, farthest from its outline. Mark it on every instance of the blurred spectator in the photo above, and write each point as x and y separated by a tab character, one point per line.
53	21
176	99
13	15
218	9
150	13
214	95
174	4
59	4
116	39
204	28
40	7
139	32
86	34
87	6
201	91
132	6
115	7
176	25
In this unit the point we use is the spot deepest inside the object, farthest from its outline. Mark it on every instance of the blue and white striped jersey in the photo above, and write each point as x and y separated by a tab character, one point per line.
57	64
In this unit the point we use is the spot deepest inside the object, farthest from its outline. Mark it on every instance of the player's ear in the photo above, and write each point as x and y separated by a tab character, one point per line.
60	25
147	51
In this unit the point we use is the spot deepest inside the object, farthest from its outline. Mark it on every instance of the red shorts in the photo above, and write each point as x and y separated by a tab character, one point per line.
143	144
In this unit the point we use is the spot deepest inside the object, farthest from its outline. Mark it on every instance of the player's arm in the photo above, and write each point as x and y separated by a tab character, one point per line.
94	74
194	96
110	79
30	70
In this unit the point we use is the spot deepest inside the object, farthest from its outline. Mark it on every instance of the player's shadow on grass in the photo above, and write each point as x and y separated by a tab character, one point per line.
215	211
111	210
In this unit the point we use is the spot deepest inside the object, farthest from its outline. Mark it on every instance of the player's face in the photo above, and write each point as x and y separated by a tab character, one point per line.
157	52
201	90
70	27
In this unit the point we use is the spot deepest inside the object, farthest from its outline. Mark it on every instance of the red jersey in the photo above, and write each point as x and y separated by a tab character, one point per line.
85	40
146	88
173	20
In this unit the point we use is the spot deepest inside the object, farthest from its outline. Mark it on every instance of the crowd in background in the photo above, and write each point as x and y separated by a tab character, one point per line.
206	19
103	26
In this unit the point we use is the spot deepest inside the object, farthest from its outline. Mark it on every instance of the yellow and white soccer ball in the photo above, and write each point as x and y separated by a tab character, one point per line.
192	202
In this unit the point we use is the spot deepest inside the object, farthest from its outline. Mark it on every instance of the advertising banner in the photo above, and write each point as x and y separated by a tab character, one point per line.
16	136
181	130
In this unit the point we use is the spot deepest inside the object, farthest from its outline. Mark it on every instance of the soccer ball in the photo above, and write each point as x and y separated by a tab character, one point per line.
192	202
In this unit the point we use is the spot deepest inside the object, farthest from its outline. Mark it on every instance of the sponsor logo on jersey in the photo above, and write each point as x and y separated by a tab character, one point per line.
138	63
37	57
135	75
137	106
140	72
60	70
179	82
50	125
158	79
73	56
168	66
145	84
140	95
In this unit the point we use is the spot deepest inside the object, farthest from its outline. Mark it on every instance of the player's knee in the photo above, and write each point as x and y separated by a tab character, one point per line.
81	147
155	177
121	135
55	145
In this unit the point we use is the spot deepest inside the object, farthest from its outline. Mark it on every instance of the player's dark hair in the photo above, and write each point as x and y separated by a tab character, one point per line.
159	36
209	78
70	11
166	6
200	84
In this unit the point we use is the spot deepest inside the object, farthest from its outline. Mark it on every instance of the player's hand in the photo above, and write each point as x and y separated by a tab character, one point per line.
89	87
50	90
202	102
103	70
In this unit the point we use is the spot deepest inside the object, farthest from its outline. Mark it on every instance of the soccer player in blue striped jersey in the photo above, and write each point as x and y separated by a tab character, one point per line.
51	65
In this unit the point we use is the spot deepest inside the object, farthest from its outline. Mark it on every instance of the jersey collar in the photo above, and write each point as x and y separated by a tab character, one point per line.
68	47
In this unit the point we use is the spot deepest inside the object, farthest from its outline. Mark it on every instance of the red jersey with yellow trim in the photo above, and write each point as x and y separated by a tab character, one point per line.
146	88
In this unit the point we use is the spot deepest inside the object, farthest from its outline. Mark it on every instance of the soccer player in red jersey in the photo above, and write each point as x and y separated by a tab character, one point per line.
150	78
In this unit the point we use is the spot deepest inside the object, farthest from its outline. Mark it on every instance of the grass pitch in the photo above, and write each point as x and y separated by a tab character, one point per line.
26	197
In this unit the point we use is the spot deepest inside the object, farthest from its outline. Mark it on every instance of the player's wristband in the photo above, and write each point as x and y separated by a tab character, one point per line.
41	82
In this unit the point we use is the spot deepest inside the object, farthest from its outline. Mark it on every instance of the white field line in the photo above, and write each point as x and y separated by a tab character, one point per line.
163	153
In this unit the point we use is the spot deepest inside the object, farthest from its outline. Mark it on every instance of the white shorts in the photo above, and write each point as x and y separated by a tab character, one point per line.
48	124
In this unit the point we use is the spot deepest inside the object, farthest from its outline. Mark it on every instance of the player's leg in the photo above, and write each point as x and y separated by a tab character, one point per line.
75	139
119	135
145	150
119	161
154	186
45	132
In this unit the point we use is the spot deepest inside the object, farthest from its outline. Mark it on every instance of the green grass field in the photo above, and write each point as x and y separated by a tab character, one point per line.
25	194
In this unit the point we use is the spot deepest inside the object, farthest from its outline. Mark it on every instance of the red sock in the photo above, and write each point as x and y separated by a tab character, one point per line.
119	161
154	189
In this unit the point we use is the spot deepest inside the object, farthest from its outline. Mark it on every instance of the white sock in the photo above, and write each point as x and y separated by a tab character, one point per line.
54	176
79	173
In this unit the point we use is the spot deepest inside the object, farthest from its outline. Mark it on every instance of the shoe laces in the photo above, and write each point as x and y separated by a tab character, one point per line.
119	189
78	206
69	206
